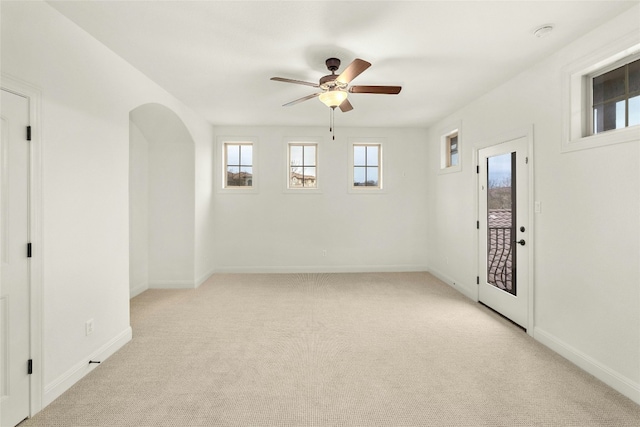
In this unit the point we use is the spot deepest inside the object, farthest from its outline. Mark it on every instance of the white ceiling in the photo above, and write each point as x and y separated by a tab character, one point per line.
218	56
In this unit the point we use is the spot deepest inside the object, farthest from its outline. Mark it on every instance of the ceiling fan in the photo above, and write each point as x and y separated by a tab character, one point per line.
335	88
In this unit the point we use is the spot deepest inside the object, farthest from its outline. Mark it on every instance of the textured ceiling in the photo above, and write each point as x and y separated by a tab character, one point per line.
217	56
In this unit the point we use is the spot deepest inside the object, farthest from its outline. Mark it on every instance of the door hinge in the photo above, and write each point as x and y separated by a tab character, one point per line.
526	160
477	280
30	367
478	225
478	169
28	250
28	133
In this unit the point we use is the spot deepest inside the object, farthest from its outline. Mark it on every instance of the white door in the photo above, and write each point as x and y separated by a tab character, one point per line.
14	264
503	226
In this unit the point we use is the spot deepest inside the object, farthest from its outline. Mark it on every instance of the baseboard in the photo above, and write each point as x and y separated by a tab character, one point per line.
204	277
322	269
138	289
460	287
608	376
53	390
172	284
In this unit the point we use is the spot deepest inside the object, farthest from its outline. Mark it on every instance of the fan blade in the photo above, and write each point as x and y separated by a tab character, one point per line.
389	90
299	82
304	98
346	106
353	70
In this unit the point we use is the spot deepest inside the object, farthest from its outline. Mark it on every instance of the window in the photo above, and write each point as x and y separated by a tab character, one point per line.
450	148
238	164
366	165
601	96
616	98
303	166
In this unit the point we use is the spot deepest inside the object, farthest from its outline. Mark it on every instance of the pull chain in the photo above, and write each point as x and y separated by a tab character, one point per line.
332	124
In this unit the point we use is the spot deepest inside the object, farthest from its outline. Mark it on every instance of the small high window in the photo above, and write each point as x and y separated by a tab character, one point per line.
452	150
303	165
238	165
616	98
366	165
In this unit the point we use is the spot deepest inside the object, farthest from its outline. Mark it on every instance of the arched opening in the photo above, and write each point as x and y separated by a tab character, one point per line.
161	200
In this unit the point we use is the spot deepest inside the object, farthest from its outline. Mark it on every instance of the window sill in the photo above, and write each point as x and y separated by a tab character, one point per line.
603	139
367	190
450	169
303	191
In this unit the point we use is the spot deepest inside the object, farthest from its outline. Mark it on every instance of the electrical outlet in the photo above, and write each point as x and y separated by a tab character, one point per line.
88	327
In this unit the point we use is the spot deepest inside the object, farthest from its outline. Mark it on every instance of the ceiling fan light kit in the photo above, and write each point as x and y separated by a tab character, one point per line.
333	98
335	88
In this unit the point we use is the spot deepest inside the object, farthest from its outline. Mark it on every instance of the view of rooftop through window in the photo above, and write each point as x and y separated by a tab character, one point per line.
239	165
302	166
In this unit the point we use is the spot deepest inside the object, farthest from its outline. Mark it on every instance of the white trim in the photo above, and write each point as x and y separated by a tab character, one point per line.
61	384
610	377
138	289
35	219
526	132
446	132
324	269
200	280
471	293
575	108
172	284
219	165
381	188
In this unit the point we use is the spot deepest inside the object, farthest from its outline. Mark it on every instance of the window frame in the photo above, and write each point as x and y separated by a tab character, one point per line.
624	62
454	129
222	186
291	144
305	141
577	120
364	189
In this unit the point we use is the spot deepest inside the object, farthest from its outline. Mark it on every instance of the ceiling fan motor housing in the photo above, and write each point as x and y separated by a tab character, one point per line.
333	64
329	81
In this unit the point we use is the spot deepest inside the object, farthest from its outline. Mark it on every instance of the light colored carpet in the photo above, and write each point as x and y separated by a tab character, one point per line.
388	349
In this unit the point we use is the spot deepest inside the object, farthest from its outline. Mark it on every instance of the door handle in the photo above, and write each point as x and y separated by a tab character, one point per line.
520	242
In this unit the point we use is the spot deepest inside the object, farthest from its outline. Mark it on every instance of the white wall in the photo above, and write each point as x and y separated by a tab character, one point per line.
87	94
587	236
138	211
204	196
170	196
276	230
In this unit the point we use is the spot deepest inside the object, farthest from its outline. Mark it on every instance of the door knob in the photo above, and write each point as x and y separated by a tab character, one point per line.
520	242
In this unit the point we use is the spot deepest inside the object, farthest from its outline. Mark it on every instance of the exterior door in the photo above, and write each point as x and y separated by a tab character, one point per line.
14	263
503	227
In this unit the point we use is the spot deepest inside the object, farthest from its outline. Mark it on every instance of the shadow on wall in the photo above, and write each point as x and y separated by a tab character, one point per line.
161	200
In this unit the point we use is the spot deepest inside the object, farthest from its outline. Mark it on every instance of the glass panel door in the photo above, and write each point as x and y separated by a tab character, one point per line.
501	221
503	227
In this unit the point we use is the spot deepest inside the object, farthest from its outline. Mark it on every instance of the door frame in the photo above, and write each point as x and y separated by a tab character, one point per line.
524	132
36	327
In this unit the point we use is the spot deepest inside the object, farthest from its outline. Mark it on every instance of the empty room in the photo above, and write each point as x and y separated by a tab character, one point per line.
320	213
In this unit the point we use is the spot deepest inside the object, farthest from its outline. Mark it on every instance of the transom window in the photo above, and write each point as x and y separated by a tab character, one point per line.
238	164
366	165
452	150
616	98
303	165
